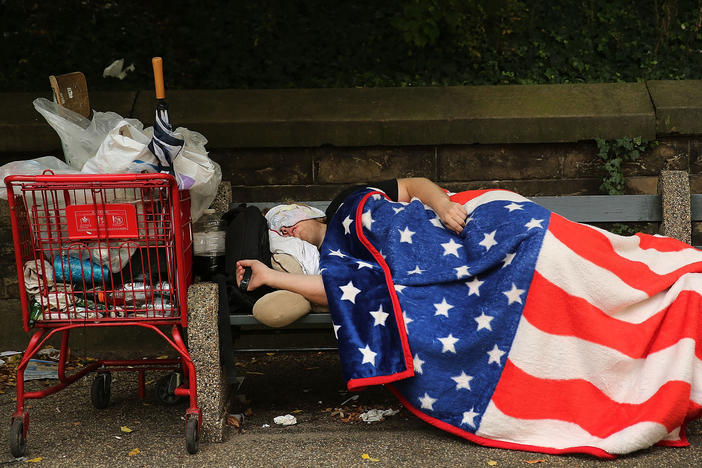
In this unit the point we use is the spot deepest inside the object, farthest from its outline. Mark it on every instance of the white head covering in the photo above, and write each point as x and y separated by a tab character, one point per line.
288	215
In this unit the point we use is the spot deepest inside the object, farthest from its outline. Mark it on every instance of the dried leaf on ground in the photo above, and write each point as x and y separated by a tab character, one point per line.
125	429
492	462
34	460
365	456
539	460
234	420
133	452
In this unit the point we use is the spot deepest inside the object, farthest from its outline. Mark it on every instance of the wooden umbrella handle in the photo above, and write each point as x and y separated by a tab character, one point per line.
157	63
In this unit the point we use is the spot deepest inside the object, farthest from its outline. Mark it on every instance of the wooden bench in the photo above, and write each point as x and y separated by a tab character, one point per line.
673	208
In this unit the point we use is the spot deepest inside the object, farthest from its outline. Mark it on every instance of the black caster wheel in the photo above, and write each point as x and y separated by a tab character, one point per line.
100	391
18	442
165	388
192	435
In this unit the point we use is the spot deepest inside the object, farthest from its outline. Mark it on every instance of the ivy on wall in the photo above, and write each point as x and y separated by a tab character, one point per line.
613	154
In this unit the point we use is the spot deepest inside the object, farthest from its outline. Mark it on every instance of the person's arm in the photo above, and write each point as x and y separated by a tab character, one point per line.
452	214
309	286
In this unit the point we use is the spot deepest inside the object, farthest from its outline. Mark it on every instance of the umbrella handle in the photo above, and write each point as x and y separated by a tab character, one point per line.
157	63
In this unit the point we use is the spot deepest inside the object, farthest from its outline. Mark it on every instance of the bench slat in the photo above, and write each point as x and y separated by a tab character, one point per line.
605	208
317	318
581	208
696	207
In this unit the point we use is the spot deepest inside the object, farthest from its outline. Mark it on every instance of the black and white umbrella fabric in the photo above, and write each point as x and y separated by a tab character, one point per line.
165	144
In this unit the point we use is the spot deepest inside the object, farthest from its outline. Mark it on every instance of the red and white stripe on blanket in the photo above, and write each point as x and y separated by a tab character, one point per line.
600	332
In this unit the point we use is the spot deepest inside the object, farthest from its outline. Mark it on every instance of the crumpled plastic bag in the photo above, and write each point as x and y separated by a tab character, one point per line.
33	167
124	149
287	420
110	144
80	137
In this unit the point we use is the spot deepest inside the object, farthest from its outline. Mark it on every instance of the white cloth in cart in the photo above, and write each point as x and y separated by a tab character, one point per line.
33	271
58	298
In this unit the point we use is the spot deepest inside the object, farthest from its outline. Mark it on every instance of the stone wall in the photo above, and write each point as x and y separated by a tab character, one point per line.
308	144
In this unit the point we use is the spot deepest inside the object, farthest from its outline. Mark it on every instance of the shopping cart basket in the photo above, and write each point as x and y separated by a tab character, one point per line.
102	251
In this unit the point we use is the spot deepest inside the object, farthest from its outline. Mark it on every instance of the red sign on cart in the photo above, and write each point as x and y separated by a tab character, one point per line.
101	221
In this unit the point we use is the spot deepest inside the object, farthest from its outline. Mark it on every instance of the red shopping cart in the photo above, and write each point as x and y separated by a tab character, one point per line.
102	251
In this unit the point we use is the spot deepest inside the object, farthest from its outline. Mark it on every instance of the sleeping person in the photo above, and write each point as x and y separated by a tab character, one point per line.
494	319
311	226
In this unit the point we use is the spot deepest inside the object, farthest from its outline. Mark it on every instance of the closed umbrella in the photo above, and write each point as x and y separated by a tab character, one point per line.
165	144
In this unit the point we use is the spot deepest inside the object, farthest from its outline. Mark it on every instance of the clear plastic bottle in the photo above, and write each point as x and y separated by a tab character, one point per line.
208	245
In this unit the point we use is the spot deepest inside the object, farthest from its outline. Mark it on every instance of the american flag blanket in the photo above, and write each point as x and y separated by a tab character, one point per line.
526	331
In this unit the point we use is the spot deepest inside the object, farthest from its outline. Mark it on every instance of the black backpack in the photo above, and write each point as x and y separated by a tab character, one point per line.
246	238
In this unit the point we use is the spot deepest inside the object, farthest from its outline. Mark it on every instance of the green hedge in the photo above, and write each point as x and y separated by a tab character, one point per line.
347	43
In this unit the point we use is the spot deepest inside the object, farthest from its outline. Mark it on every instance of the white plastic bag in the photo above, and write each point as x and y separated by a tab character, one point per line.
80	137
125	149
195	170
194	164
33	167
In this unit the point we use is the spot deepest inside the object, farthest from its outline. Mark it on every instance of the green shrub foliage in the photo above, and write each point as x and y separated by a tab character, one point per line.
348	43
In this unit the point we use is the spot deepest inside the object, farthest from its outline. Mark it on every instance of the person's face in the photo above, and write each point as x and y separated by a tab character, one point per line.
309	230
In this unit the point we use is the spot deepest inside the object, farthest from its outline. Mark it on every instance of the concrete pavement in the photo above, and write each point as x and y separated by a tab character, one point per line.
66	431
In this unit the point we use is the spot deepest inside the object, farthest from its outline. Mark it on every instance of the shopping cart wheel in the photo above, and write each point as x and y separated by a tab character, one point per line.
100	391
18	442
192	434
165	388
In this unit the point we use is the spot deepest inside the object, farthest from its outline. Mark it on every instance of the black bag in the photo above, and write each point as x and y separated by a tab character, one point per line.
246	238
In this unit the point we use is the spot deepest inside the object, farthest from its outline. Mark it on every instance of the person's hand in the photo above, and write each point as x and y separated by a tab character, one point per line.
258	273
453	215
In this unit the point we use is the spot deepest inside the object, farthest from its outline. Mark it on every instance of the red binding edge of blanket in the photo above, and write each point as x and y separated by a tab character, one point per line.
360	384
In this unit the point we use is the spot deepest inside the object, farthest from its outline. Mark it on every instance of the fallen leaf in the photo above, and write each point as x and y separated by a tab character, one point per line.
539	460
232	420
492	462
164	356
297	411
77	423
365	456
34	460
125	429
133	452
270	354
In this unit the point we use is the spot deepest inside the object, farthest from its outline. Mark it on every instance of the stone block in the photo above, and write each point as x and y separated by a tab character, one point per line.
266	166
678	106
410	116
480	162
223	198
203	345
23	129
348	166
644	185
674	189
284	193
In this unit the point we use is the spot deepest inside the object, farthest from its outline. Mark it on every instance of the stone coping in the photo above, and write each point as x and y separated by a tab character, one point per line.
391	116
